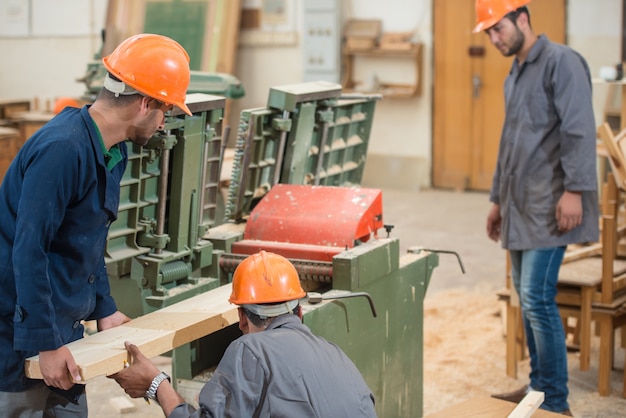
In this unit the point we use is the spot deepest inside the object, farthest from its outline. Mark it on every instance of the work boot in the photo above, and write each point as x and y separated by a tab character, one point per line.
516	396
567	412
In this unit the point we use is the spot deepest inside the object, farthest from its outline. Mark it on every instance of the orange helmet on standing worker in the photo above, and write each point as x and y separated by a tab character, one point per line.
490	12
265	278
153	65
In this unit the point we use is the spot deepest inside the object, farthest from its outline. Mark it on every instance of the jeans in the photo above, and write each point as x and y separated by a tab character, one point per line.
534	274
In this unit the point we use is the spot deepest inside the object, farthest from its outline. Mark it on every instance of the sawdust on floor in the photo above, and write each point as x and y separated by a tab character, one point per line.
464	358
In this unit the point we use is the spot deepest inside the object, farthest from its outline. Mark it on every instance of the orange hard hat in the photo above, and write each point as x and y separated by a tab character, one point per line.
265	278
154	65
63	102
490	12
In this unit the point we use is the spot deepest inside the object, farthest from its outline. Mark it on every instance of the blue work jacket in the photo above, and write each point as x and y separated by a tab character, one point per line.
57	201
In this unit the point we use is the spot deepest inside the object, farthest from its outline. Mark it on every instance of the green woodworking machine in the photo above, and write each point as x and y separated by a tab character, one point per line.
294	189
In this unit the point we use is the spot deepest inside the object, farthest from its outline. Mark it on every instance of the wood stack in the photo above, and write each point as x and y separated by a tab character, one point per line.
8	108
362	34
18	121
397	41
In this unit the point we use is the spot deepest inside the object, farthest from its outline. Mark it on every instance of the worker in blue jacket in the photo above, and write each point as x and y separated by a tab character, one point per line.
57	201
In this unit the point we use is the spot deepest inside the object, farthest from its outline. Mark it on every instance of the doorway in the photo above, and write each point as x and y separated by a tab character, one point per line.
468	97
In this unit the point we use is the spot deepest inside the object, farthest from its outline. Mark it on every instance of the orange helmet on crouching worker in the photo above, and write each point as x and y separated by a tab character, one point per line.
153	65
490	12
266	278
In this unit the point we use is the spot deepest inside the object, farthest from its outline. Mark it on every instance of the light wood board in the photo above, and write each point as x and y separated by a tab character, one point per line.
155	333
486	407
527	406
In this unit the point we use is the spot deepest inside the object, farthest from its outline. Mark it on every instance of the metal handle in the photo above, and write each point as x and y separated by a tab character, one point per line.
477	83
314	298
417	250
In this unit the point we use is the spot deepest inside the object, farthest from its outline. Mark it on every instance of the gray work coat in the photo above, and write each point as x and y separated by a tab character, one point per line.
284	371
548	146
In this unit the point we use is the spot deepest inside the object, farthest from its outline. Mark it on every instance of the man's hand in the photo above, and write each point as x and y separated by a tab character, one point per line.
569	211
136	379
112	321
59	369
494	223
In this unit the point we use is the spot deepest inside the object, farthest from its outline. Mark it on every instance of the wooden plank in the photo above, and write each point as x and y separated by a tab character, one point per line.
124	18
616	158
363	28
484	406
527	406
10	107
222	40
221	36
582	252
155	333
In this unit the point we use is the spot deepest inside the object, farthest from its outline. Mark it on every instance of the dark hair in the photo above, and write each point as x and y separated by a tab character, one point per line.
512	16
260	322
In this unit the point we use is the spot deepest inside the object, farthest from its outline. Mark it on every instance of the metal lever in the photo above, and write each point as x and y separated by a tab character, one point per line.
314	298
417	250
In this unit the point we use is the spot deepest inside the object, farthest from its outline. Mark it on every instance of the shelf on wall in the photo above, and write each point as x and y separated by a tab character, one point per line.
393	90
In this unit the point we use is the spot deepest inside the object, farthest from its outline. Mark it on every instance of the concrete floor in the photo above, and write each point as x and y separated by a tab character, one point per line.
437	220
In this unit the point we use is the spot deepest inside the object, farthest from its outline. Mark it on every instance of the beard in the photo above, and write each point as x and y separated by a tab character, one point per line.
141	140
144	132
516	43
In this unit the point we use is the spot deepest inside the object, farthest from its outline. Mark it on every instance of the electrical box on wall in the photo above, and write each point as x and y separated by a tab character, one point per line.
321	38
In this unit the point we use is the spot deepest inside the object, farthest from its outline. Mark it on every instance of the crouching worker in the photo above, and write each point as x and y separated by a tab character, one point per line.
277	368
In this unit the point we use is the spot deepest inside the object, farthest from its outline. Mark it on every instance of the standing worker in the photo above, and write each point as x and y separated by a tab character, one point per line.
544	190
278	368
57	201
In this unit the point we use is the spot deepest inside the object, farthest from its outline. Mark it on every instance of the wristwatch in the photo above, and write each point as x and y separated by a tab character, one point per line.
152	390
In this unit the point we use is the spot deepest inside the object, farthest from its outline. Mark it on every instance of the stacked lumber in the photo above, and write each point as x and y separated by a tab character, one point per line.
397	41
362	34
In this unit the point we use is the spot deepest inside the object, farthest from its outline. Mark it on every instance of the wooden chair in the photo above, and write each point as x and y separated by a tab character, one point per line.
615	147
594	288
584	273
592	281
616	150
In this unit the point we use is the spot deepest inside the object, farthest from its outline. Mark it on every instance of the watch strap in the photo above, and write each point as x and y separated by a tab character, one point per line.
152	390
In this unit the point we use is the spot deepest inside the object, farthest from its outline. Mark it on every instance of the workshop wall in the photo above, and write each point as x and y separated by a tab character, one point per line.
594	29
401	142
42	57
46	45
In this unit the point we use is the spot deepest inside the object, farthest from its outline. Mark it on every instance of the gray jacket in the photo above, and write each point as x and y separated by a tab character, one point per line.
548	146
284	371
